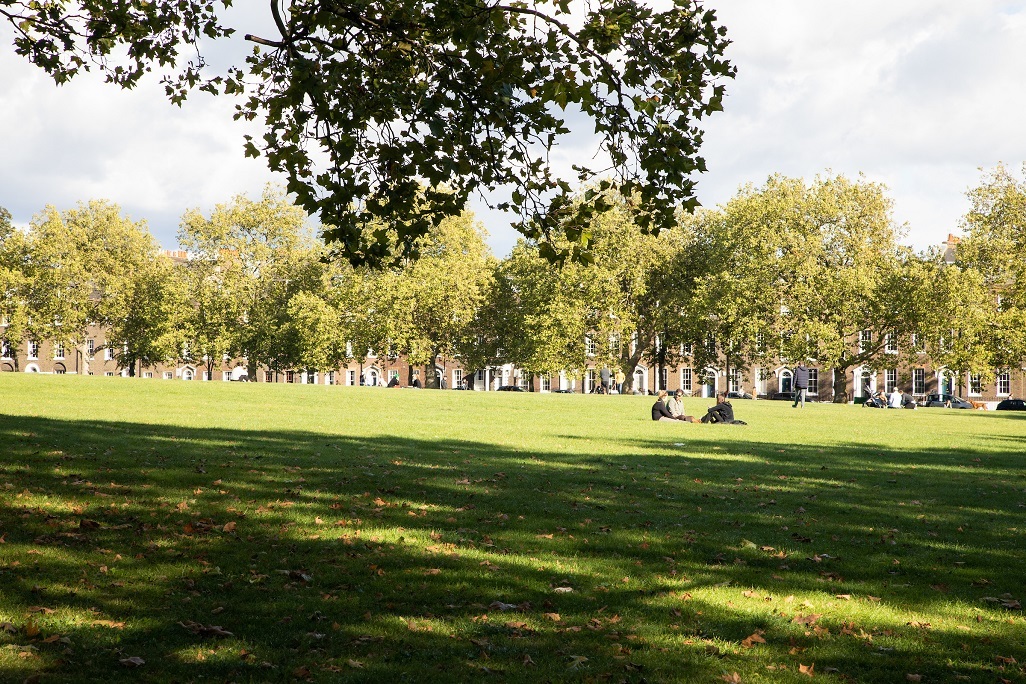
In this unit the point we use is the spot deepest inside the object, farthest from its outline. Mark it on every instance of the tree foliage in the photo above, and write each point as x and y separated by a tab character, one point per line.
367	103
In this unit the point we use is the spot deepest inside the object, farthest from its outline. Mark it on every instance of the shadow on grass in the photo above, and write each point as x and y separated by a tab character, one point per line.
373	558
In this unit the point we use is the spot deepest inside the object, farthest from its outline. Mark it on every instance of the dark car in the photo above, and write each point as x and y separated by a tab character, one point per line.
1012	405
945	401
562	391
511	388
738	395
782	396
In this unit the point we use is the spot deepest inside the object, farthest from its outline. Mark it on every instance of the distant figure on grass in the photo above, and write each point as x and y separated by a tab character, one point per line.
894	400
394	382
907	401
660	411
722	412
676	407
416	383
801	384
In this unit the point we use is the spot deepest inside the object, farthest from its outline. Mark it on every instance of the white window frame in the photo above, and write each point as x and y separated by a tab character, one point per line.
169	375
891	343
5	349
589	345
865	340
686	380
918	382
546	383
33	350
890	380
974	384
1003	383
813	388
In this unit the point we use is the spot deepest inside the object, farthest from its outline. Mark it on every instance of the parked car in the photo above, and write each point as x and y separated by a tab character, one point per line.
738	395
1012	405
511	388
562	391
782	396
945	401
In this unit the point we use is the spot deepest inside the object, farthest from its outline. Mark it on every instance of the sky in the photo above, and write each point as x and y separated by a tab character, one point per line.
919	95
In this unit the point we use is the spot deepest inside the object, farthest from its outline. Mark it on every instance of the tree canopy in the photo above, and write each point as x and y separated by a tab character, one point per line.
366	104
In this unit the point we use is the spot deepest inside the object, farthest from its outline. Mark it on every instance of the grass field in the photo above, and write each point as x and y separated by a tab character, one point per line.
174	531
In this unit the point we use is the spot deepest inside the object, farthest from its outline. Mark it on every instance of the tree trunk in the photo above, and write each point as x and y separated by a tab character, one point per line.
251	369
841	384
409	373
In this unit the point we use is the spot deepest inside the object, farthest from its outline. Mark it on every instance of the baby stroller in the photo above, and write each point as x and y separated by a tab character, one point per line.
876	400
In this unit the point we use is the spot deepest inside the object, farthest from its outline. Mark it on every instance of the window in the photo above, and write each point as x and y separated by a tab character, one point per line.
589	380
1003	383
290	376
108	354
33	349
5	349
975	385
687	349
685	379
614	343
522	381
90	348
710	343
918	381
148	374
663	376
734	385
60	371
168	375
890	380
546	383
813	381
269	376
457	377
371	354
891	343
760	343
226	376
589	345
395	374
207	376
109	374
331	377
311	377
865	340
918	343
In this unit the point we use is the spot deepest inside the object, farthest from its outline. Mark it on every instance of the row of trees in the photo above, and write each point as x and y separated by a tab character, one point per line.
790	269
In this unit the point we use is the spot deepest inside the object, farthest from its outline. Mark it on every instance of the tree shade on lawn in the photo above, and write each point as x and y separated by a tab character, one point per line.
247	531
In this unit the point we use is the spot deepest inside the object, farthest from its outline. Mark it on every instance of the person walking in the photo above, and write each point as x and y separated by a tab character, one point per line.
801	384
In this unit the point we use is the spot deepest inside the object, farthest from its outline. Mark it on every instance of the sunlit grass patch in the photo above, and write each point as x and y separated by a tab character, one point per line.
268	533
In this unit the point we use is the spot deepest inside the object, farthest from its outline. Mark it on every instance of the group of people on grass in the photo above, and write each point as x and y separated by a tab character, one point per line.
666	408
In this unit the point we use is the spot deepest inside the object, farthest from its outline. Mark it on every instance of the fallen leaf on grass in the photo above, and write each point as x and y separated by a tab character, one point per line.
576	661
807	619
108	623
229	527
553	616
528	662
134	661
8	627
205	630
914	677
755	638
732	678
355	664
807	670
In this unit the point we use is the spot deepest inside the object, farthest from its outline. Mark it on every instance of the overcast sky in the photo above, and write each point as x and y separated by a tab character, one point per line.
917	94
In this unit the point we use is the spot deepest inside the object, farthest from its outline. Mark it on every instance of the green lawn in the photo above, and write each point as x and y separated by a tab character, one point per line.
251	532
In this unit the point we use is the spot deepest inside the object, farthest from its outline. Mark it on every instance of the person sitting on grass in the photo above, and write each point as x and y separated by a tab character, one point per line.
659	409
722	412
676	407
